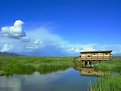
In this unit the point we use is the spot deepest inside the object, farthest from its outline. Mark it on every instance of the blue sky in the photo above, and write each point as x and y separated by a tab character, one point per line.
59	27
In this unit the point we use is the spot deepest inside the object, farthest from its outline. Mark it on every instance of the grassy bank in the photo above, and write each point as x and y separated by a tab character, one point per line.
109	83
114	65
27	65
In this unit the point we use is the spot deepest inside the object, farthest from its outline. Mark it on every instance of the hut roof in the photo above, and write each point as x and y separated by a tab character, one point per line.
102	51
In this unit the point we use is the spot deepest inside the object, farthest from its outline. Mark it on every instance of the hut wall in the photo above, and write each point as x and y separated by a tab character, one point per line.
96	56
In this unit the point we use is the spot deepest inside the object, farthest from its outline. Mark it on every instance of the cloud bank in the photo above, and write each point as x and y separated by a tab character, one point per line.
41	42
14	31
14	39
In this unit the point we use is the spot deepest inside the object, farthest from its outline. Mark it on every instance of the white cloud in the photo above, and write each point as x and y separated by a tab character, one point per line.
46	36
18	24
25	39
14	31
5	48
16	37
76	48
34	44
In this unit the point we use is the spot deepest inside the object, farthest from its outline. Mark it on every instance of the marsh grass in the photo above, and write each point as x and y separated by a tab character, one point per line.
110	83
28	65
45	69
18	68
114	65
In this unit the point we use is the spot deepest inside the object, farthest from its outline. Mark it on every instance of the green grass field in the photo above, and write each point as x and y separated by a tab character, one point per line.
114	65
27	65
112	82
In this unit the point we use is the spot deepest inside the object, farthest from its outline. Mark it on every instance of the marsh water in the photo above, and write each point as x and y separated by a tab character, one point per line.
63	80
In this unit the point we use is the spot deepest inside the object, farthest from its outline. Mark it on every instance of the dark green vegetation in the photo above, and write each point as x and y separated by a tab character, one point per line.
10	65
112	82
114	65
108	83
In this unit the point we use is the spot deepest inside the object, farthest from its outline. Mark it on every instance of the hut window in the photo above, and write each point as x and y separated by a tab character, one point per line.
88	55
106	53
93	53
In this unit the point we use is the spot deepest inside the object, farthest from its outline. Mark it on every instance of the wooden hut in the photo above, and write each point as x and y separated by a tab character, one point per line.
96	55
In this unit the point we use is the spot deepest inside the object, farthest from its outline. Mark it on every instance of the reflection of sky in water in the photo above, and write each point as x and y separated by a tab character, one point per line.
69	80
10	84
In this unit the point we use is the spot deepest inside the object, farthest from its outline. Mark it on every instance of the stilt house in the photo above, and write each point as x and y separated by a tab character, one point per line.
96	55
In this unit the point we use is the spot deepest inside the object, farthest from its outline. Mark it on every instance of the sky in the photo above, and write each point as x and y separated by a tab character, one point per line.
60	27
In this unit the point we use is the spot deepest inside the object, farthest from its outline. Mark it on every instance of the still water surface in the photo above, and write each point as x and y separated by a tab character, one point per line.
68	80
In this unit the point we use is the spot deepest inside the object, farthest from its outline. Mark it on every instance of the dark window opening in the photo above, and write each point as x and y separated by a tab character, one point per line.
93	53
89	56
106	53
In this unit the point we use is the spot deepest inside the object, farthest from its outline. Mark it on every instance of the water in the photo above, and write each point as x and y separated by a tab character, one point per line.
68	80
